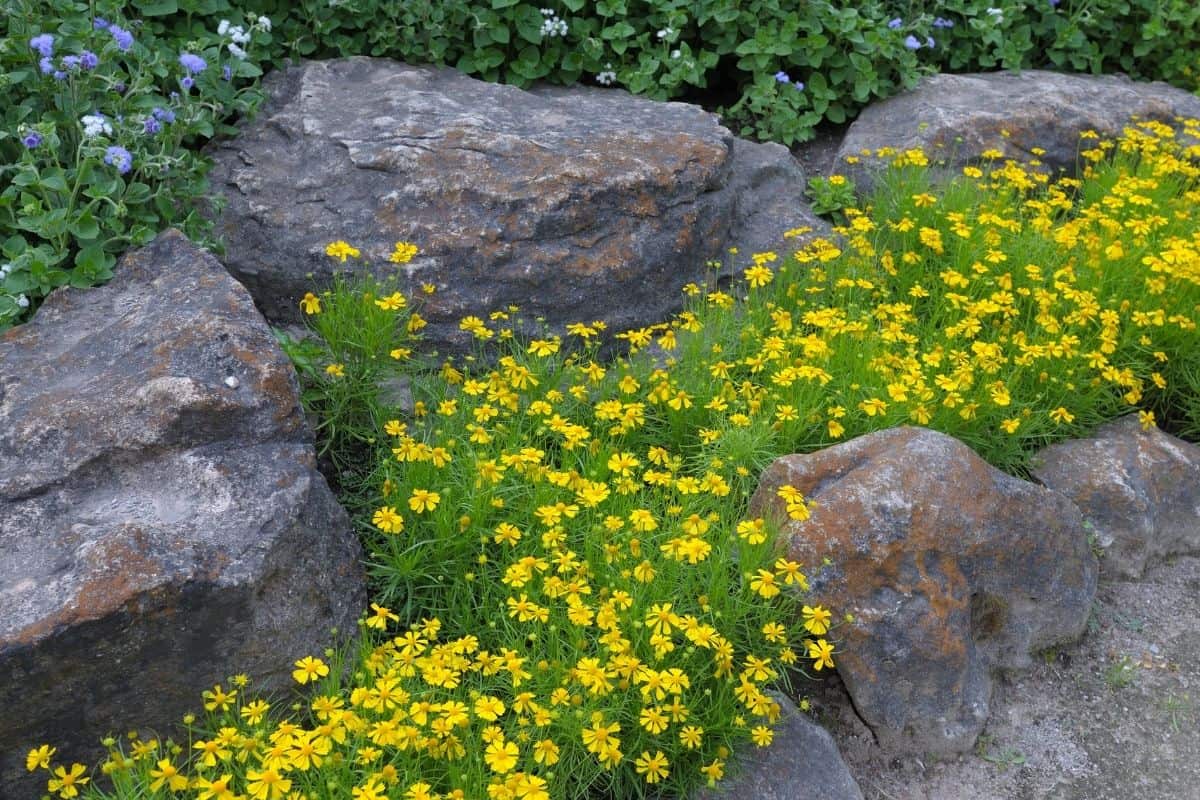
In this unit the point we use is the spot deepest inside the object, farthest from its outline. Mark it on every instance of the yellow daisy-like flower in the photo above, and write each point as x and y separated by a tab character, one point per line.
403	253
309	669
336	370
310	304
341	250
653	767
388	520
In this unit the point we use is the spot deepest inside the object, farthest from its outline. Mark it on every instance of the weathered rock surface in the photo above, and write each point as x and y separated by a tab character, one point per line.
1138	489
162	526
575	204
955	118
802	763
950	568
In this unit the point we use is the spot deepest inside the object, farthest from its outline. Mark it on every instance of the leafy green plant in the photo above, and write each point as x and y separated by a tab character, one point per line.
829	196
99	136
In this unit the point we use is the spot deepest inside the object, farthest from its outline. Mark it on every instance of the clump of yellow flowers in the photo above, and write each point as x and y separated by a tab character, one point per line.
572	599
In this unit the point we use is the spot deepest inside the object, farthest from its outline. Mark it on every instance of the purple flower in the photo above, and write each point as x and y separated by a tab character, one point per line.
193	63
1054	3
119	88
939	22
119	157
32	139
912	43
163	114
226	73
46	65
89	60
100	24
59	75
186	82
799	86
70	62
782	77
44	44
895	23
123	38
929	42
151	126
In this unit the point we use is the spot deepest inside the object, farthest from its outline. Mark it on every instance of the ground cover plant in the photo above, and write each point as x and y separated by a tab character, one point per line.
99	137
569	598
776	68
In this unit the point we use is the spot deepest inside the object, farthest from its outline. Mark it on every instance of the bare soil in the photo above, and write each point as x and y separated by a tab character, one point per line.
1116	715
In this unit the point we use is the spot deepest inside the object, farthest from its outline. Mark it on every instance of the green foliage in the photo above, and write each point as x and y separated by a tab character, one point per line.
75	192
836	56
828	196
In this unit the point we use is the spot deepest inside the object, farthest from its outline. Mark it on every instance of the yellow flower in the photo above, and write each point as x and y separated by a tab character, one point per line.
267	784
1146	418
1061	415
501	756
381	617
691	736
336	370
387	520
821	652
254	712
816	619
654	767
393	302
761	735
423	500
166	773
713	772
309	669
341	250
218	789
311	304
39	757
67	782
403	253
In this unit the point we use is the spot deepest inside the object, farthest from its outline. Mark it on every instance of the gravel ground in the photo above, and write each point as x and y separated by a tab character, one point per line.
1116	715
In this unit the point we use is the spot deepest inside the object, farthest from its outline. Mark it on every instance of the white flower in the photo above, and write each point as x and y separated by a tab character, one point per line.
4	270
998	13
22	301
223	28
607	77
553	26
676	53
237	51
666	32
95	125
265	23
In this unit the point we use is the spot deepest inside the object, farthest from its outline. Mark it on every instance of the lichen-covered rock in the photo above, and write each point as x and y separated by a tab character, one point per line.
162	524
801	763
575	204
950	569
955	118
1139	490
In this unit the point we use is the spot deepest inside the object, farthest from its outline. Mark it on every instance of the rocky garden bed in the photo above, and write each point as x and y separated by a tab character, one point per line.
636	433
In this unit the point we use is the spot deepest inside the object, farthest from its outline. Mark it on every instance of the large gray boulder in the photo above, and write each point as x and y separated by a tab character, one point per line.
801	763
951	571
955	118
1139	490
576	204
162	523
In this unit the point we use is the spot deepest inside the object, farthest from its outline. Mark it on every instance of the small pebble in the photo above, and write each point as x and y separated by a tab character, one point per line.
232	382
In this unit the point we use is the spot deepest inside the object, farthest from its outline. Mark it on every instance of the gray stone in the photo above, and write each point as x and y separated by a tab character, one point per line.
160	528
951	569
955	118
576	204
801	763
1139	490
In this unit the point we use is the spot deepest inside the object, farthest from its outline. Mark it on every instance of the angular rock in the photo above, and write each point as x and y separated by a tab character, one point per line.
1138	489
950	568
955	118
575	204
802	762
162	527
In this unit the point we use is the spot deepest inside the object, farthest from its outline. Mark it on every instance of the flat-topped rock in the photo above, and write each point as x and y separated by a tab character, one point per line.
955	118
576	204
162	523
